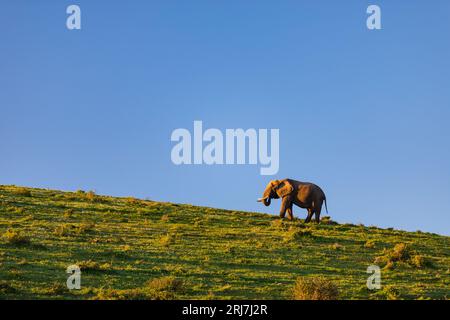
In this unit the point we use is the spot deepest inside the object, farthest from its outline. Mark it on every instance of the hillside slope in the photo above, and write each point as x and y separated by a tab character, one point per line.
123	243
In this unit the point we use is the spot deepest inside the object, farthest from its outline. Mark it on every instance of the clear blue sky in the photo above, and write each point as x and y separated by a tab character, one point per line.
364	114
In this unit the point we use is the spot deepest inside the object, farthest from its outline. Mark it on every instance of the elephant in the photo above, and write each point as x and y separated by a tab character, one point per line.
303	194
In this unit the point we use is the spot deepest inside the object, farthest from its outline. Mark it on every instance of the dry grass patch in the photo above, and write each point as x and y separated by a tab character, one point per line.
165	288
314	288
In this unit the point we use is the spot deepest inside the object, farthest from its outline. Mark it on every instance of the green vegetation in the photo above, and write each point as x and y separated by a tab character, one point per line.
134	249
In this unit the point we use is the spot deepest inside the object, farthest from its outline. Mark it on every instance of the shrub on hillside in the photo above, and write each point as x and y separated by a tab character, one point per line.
14	209
62	230
56	289
314	288
294	234
131	201
84	227
166	240
327	220
337	246
165	218
91	196
68	213
165	288
16	238
278	224
113	294
370	244
388	293
402	253
24	192
421	261
6	288
90	265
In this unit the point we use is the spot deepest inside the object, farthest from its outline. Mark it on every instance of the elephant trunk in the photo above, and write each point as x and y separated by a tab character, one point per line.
266	197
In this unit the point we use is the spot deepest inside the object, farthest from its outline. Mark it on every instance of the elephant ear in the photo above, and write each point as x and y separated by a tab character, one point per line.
284	188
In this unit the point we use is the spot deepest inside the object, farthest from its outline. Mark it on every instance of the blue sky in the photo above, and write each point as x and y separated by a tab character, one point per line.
364	114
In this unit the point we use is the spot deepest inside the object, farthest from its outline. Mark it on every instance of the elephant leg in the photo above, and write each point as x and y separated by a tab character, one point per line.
317	210
285	205
289	212
310	213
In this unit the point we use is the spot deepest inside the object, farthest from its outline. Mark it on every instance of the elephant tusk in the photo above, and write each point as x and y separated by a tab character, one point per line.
261	199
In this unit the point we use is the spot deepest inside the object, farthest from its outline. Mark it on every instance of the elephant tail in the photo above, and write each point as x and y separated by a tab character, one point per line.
325	200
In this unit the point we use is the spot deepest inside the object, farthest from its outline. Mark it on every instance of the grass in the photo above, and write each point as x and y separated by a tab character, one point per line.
315	288
137	249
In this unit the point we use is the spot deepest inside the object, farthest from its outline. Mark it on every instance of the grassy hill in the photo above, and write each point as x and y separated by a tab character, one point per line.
130	249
